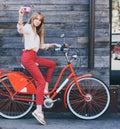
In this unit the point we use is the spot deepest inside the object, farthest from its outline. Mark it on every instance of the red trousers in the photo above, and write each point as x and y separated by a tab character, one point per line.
28	60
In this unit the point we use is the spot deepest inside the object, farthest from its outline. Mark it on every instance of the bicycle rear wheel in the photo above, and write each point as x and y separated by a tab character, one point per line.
95	102
10	107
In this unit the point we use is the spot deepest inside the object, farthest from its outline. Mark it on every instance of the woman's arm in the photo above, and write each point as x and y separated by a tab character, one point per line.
42	37
20	21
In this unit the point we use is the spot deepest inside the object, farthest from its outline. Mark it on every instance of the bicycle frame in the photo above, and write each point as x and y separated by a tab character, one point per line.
71	75
23	84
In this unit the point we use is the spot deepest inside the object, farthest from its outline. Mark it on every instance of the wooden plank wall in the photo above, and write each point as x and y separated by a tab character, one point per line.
70	17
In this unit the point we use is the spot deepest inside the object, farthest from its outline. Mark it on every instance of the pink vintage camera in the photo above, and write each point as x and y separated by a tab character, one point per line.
26	9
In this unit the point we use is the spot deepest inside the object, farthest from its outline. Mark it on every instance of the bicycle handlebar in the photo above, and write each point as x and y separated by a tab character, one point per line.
65	48
62	48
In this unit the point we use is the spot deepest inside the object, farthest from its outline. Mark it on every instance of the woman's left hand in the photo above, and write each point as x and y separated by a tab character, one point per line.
47	46
57	45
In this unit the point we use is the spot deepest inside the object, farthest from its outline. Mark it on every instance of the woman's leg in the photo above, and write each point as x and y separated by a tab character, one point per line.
28	62
49	64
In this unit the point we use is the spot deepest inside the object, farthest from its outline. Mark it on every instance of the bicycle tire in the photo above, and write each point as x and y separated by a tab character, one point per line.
96	105
9	107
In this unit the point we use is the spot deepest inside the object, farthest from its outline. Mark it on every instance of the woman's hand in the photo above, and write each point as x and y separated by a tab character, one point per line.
54	45
21	12
47	46
57	45
20	21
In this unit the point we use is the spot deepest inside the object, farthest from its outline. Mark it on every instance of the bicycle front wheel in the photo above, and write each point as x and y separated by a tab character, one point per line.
94	103
10	107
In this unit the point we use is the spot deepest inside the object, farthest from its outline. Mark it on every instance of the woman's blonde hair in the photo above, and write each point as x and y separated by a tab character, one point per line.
40	28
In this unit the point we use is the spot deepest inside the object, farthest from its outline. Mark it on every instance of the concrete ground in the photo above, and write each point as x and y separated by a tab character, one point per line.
63	121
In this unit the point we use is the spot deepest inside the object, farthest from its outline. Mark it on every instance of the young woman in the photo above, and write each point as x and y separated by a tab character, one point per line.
33	33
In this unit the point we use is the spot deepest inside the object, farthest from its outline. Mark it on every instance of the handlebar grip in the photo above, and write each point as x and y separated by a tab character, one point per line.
57	49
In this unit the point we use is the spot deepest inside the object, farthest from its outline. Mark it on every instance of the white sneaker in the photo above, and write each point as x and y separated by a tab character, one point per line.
39	116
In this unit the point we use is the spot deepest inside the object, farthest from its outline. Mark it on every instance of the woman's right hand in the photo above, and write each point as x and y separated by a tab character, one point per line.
20	20
21	12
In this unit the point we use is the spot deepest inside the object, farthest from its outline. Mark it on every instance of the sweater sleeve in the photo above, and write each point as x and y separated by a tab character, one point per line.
24	29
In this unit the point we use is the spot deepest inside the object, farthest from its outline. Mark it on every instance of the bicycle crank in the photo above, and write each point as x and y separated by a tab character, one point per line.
48	102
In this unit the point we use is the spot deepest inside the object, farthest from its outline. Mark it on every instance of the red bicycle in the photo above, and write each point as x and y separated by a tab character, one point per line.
87	97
